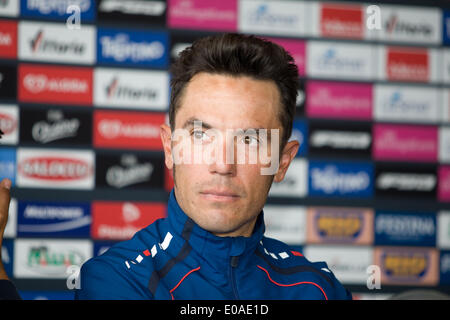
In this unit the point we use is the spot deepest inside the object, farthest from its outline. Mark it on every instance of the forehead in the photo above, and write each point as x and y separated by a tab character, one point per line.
230	101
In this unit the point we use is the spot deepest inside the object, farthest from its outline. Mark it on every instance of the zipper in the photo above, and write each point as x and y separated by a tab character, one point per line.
233	264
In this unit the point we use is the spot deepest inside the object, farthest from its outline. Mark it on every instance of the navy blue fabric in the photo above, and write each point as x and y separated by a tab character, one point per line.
174	258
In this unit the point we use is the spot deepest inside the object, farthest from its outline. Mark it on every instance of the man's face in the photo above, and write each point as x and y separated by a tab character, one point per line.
221	194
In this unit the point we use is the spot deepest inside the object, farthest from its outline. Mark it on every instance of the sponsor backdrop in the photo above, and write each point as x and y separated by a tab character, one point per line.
84	86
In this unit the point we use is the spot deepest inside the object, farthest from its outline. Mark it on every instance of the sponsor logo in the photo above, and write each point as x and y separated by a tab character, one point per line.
394	228
406	180
413	143
53	126
8	39
8	164
203	14
300	133
342	21
133	89
444	144
339	100
445	267
137	47
65	169
8	82
444	184
36	219
9	124
406	64
340	140
443	235
136	7
67	85
340	179
331	139
297	49
35	258
129	171
120	221
57	9
342	225
133	130
339	61
294	183
446	26
407	104
411	24
348	263
407	265
9	8
285	223
267	17
56	43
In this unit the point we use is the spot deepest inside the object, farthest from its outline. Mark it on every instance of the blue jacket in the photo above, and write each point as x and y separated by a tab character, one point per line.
174	258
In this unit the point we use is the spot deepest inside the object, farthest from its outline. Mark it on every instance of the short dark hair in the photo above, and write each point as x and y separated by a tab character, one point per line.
238	55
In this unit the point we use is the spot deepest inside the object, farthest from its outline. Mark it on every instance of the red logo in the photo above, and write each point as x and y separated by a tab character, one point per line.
121	220
8	124
406	64
8	39
129	130
55	168
343	21
68	85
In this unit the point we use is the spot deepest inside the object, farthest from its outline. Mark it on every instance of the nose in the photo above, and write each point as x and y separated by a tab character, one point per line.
223	161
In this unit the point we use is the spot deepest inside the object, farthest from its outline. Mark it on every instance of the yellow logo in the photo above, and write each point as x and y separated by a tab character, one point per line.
412	265
339	226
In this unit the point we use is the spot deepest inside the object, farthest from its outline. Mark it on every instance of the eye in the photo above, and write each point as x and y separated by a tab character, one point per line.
200	136
251	140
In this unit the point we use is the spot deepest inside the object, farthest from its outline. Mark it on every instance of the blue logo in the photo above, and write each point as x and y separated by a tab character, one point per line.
445	267
446	27
8	164
300	133
47	219
342	179
58	9
405	229
140	48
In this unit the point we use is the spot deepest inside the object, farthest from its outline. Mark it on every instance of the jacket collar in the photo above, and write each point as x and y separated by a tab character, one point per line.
217	251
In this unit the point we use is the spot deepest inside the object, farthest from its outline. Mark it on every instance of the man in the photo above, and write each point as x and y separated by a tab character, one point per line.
231	111
226	91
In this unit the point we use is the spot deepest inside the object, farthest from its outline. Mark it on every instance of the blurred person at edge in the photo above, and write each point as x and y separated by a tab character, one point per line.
211	245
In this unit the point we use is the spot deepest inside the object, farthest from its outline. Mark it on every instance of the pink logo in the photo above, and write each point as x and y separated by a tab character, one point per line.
339	100
415	143
297	49
444	184
203	14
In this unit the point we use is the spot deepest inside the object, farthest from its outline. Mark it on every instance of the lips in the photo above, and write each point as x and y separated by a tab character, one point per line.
219	195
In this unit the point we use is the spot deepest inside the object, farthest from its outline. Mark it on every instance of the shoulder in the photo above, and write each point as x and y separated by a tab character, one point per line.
288	263
121	270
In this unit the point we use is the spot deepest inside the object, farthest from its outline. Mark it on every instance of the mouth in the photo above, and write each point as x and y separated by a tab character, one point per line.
222	196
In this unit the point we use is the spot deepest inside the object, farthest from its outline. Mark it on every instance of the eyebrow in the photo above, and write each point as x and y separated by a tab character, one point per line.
191	122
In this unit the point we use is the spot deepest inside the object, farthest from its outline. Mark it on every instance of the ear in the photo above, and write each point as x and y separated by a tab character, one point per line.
166	138
287	155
